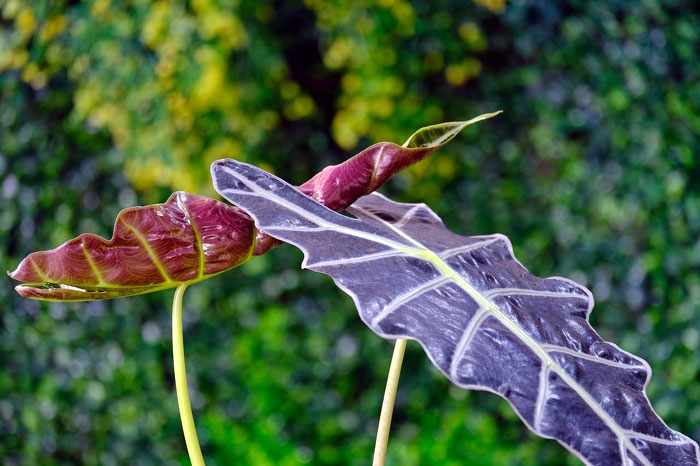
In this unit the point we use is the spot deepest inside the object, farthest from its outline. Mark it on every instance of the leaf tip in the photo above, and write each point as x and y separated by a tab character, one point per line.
20	272
484	116
216	164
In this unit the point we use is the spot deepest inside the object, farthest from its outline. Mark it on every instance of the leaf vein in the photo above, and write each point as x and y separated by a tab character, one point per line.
93	266
541	397
139	236
197	236
523	292
588	357
392	306
466	338
354	260
469	247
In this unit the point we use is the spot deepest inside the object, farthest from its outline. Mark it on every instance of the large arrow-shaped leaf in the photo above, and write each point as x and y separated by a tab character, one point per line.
483	319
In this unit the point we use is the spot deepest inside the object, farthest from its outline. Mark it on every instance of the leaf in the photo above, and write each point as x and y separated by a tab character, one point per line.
482	318
187	239
441	134
337	186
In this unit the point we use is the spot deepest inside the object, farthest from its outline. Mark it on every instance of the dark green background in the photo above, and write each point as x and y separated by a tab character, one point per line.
592	171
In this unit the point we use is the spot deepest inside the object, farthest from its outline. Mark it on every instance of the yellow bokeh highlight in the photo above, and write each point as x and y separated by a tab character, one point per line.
224	148
289	89
351	83
99	8
25	22
473	36
34	76
338	53
53	27
155	25
209	88
180	111
197	94
13	59
383	107
299	108
496	6
225	27
458	74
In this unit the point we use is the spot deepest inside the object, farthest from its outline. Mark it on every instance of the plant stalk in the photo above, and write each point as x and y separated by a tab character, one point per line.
183	395
392	383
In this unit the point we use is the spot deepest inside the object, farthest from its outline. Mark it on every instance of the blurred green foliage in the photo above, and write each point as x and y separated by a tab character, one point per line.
591	171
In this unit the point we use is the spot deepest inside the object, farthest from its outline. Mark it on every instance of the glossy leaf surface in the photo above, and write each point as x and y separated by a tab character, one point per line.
186	239
482	318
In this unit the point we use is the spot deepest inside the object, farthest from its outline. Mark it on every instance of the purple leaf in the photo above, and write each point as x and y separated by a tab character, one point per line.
482	318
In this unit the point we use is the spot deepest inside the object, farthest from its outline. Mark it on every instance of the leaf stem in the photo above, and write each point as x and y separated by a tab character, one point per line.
392	382
183	395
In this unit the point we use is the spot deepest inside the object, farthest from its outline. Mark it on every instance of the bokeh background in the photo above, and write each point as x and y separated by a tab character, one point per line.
592	171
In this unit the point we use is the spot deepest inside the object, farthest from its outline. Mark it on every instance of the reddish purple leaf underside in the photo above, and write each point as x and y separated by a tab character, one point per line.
184	240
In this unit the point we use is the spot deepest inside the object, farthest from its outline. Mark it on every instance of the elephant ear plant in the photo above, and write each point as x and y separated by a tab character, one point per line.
190	238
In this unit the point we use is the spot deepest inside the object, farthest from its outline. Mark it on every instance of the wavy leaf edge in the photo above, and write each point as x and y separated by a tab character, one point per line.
176	226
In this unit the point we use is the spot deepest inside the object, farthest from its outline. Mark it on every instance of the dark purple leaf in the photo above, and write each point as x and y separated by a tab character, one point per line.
482	318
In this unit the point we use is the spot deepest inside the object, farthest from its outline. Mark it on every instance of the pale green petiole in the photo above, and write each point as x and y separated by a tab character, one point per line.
392	383
183	395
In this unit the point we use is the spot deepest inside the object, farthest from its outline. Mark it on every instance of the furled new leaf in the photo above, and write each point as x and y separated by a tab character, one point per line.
338	186
185	240
483	319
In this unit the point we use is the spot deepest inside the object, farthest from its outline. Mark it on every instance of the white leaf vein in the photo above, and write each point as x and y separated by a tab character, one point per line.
589	357
469	247
523	292
466	338
403	299
358	259
408	215
270	228
651	438
541	397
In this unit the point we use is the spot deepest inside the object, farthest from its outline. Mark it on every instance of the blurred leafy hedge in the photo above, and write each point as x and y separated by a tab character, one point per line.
178	85
592	172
